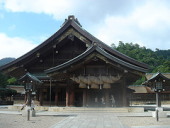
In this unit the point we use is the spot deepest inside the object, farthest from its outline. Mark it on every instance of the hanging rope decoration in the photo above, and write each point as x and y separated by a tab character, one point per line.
95	82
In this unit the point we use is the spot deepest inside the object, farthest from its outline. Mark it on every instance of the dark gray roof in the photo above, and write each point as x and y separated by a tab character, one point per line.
156	76
31	77
73	23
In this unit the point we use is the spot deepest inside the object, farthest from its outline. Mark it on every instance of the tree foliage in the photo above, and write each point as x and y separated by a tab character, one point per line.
158	60
4	92
3	80
12	80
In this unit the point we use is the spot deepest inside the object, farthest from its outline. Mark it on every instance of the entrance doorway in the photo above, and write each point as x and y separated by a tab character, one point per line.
79	99
96	98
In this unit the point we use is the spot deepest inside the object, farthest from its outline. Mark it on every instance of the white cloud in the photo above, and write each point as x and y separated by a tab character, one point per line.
57	8
146	22
148	25
14	46
151	15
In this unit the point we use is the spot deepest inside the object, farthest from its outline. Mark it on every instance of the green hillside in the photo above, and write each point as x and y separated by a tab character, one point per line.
158	60
6	60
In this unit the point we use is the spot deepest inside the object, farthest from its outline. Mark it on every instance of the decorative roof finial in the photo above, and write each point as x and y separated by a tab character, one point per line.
71	18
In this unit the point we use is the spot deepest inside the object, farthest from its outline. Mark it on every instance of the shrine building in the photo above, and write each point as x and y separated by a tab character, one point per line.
74	68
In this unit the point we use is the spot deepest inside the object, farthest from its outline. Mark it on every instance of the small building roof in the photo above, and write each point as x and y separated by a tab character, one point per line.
149	75
157	76
30	77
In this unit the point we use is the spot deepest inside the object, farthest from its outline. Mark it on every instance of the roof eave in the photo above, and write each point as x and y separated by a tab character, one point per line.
99	50
36	49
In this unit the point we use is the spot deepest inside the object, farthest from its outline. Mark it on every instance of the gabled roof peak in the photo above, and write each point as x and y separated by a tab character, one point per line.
72	18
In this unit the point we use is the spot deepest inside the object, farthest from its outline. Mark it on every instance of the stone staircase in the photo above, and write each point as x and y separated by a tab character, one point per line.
96	110
84	109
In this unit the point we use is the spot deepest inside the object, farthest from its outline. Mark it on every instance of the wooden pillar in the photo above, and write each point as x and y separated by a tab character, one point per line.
56	96
124	94
84	97
107	97
87	97
67	96
41	97
72	96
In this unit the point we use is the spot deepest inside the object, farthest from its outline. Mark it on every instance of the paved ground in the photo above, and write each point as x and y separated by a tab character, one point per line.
44	119
17	121
145	122
97	120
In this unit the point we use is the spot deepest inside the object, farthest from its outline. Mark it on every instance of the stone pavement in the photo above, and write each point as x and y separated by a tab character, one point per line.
165	126
97	120
89	120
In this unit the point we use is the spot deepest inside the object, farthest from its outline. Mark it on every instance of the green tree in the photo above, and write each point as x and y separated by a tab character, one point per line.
157	60
140	81
164	67
4	92
3	80
12	80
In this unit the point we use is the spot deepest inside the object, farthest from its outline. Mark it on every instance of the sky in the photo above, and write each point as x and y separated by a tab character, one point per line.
24	24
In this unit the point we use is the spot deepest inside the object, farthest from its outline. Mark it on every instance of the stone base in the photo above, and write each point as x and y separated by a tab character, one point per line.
161	113
25	112
33	113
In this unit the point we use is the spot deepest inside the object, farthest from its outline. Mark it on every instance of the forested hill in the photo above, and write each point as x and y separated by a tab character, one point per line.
158	60
6	60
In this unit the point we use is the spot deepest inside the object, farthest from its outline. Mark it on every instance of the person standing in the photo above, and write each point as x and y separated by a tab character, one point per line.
103	101
96	101
113	101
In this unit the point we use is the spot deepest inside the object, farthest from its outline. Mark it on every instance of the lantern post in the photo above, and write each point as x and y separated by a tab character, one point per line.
28	90
158	88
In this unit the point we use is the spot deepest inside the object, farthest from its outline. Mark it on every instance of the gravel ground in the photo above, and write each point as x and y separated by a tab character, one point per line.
143	121
18	121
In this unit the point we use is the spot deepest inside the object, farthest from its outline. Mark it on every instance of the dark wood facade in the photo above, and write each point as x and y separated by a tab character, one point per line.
77	69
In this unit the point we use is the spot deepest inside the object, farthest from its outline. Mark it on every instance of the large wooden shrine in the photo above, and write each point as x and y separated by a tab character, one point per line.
73	68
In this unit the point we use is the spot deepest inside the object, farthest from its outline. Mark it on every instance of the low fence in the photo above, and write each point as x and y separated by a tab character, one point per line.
148	98
6	102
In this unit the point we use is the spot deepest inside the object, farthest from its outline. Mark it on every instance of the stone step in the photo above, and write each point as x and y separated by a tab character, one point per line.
76	109
82	109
